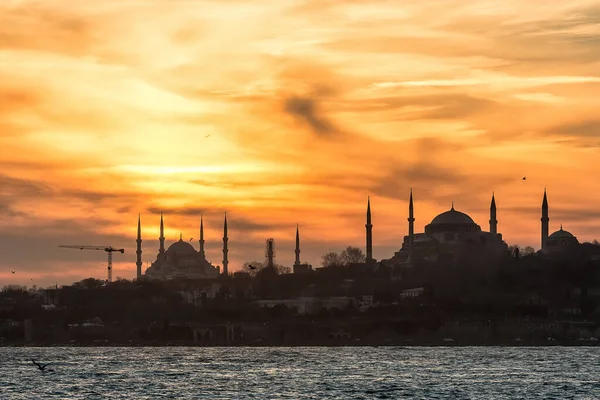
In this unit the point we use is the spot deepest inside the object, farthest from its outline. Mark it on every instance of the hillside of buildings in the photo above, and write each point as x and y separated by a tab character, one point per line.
517	299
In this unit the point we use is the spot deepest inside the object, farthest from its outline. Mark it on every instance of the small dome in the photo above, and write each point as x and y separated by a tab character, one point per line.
181	247
453	217
562	234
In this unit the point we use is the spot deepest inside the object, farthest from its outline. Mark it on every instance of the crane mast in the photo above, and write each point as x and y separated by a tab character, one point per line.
108	249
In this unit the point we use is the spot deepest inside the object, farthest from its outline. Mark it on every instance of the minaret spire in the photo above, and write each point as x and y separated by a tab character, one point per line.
202	253
493	220
369	227
225	249
161	239
138	252
411	226
297	251
545	220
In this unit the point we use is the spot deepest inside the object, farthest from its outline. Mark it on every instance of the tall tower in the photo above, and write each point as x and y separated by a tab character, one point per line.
411	226
225	250
270	253
297	251
493	220
202	253
161	239
545	220
138	252
369	228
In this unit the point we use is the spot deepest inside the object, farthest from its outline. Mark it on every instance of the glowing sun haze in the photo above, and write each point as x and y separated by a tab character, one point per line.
284	112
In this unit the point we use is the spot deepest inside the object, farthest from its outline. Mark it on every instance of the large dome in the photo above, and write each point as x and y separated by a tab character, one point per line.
453	217
181	247
562	234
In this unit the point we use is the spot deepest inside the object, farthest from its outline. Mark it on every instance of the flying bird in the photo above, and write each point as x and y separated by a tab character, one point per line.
524	178
13	271
42	367
207	136
252	267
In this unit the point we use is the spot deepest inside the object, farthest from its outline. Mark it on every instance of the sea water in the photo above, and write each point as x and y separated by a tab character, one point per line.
301	373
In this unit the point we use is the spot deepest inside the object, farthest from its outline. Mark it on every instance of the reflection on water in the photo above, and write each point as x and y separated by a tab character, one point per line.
302	373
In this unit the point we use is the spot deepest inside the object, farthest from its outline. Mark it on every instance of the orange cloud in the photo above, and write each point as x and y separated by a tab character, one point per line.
284	114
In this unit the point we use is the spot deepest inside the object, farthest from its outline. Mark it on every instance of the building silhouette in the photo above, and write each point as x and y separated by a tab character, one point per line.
225	248
449	234
299	267
138	251
180	260
558	241
369	234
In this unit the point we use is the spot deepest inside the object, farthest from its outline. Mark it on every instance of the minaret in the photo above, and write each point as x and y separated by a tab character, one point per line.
369	228
493	220
225	250
161	239
411	226
202	253
138	252
297	251
545	220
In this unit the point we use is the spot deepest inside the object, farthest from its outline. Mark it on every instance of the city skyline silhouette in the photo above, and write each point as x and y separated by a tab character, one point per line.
284	115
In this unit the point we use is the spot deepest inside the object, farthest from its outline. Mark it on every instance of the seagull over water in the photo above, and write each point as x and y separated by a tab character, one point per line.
42	367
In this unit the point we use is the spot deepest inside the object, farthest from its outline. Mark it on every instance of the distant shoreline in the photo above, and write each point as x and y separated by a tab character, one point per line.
191	344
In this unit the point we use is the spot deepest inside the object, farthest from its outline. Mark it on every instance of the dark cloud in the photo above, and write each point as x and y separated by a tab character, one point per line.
6	210
32	246
11	187
583	134
547	41
559	215
320	178
96	197
214	216
583	129
434	181
452	106
305	109
558	43
185	211
423	107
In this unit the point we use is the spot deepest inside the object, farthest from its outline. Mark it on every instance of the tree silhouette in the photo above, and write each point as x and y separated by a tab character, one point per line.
526	251
352	255
331	259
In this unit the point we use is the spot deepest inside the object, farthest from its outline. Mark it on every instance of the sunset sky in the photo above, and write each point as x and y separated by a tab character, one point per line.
282	112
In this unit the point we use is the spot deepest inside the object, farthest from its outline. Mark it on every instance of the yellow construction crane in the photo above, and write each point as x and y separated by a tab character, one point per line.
108	249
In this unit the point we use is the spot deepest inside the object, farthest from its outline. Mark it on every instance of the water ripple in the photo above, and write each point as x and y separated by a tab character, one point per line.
302	373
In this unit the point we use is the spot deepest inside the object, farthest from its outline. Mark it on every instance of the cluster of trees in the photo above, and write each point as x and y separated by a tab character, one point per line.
523	251
7	289
350	255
